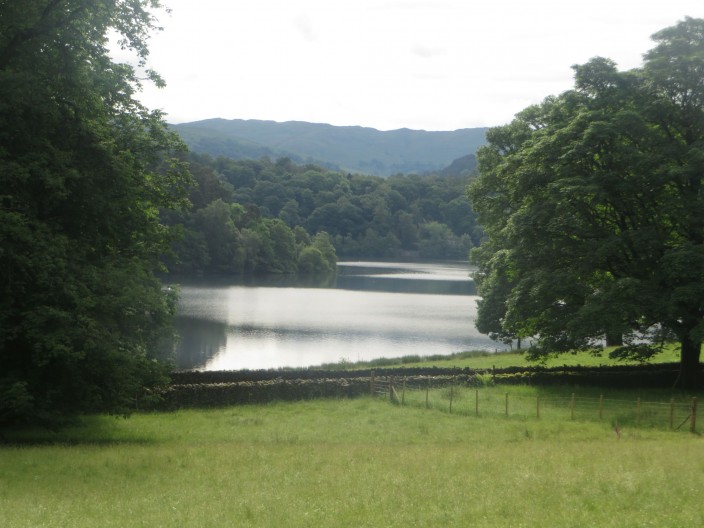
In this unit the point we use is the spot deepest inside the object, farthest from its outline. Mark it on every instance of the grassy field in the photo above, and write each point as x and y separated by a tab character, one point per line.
356	463
486	360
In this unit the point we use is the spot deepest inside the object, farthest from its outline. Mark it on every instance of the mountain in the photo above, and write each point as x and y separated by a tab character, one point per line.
350	148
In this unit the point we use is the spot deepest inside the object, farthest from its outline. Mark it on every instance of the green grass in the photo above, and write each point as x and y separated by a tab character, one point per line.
632	409
486	360
353	463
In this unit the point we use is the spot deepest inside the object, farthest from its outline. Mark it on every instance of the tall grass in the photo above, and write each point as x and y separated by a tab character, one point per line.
350	463
481	359
653	408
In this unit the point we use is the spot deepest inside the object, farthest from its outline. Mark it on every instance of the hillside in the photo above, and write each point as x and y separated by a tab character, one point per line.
349	148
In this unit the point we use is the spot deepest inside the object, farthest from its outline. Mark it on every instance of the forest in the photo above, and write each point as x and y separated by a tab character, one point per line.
264	216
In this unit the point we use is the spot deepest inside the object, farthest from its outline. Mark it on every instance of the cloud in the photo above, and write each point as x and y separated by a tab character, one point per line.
427	52
431	76
303	24
395	5
434	64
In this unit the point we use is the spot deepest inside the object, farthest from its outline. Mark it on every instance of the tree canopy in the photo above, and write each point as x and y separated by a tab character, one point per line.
84	172
593	208
366	216
224	237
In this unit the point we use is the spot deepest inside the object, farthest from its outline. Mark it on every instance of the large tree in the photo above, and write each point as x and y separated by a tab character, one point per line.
84	172
594	208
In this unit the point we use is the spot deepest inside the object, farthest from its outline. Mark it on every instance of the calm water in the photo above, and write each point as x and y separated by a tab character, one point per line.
369	310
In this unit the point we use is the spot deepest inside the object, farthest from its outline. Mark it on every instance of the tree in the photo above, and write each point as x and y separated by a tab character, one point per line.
312	261
406	230
322	242
84	171
222	239
495	284
283	241
289	213
438	241
209	186
594	200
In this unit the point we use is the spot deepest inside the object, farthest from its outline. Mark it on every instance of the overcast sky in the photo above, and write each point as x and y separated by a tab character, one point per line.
388	64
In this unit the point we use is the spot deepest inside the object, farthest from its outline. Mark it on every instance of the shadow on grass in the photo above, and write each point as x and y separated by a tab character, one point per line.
86	431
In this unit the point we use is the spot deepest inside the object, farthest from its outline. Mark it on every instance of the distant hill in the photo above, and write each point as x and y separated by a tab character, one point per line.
459	167
349	148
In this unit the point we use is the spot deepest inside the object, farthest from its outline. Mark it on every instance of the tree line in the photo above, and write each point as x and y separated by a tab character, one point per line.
252	216
221	236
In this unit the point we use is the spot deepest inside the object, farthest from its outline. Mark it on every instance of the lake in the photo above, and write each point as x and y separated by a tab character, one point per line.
366	311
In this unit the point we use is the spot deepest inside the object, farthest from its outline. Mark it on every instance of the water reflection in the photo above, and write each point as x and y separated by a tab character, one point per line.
368	310
200	341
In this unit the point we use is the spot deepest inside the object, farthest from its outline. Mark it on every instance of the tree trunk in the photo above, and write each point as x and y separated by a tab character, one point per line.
614	339
689	363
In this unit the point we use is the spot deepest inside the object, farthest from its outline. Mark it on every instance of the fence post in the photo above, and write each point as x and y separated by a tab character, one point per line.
476	402
672	412
493	374
507	404
601	406
537	407
451	394
638	412
572	407
371	384
427	390
693	422
403	393
391	389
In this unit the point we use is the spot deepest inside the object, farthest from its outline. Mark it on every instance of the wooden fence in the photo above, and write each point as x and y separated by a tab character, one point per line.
466	400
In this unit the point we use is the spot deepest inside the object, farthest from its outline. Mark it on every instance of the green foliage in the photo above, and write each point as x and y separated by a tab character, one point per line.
312	261
321	241
438	241
640	352
221	236
494	285
16	402
85	171
365	216
592	206
283	247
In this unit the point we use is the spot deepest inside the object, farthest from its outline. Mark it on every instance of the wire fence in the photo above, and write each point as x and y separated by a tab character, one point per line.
458	398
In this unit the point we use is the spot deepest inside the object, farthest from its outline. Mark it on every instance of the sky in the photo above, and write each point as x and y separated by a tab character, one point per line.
389	64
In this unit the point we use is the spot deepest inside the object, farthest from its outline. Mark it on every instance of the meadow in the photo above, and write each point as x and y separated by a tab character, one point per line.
486	360
355	462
